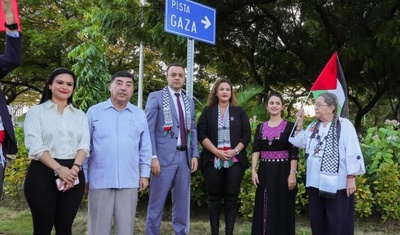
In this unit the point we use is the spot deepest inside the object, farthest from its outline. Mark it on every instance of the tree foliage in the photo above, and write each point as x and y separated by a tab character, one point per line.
280	45
277	44
49	30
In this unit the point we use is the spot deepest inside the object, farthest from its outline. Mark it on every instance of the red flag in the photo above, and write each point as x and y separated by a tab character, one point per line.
327	78
16	16
332	80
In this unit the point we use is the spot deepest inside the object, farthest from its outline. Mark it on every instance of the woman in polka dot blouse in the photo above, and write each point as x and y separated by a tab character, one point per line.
57	138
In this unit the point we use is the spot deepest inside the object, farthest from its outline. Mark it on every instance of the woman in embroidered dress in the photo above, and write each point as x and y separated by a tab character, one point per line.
57	138
334	158
274	207
224	131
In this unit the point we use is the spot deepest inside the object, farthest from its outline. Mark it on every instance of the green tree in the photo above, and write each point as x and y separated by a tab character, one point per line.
49	33
280	44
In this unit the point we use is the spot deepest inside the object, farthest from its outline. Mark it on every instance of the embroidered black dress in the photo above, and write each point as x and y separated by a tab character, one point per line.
274	207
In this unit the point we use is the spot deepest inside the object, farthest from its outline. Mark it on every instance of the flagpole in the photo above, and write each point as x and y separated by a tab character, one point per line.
297	118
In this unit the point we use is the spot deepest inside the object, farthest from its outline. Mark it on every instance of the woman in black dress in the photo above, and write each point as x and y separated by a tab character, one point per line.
274	208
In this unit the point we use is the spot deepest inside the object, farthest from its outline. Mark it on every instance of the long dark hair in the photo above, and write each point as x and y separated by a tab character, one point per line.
274	94
46	94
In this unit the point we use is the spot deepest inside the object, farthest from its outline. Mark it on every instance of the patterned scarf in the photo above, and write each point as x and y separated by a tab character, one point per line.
224	139
330	160
168	114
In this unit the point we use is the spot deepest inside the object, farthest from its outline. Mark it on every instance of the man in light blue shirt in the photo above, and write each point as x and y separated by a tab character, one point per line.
120	157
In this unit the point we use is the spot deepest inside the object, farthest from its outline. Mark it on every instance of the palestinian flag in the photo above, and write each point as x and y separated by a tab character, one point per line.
332	80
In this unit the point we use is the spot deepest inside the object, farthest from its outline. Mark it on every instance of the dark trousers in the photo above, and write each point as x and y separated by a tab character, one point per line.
2	174
223	185
48	205
331	216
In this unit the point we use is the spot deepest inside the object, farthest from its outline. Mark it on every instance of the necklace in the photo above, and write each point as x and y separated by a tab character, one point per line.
273	133
320	141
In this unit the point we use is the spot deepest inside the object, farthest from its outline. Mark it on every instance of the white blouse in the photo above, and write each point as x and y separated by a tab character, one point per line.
350	154
61	134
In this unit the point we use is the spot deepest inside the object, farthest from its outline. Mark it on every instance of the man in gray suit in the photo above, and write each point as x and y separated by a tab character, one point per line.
171	118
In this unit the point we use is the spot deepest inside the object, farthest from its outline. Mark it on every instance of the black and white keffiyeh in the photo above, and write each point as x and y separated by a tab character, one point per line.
330	158
224	138
166	108
329	170
168	114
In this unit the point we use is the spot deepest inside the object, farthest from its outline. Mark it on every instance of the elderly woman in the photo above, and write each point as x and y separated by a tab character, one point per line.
334	159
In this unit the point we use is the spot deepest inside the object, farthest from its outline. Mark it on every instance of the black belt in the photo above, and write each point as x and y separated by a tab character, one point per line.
181	148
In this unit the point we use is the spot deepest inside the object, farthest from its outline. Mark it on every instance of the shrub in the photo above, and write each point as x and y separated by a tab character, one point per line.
301	196
379	188
15	174
198	195
364	198
387	191
246	196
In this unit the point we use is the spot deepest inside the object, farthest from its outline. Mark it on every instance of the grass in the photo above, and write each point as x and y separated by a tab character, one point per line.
16	220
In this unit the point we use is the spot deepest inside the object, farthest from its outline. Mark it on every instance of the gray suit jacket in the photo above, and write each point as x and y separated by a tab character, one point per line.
164	146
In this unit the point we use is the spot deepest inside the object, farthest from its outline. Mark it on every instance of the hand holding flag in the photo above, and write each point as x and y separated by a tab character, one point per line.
332	80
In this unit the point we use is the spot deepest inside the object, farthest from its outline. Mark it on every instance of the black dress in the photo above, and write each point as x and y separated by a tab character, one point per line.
274	207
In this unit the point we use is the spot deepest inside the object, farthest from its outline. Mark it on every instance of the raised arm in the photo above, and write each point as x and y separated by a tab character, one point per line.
11	58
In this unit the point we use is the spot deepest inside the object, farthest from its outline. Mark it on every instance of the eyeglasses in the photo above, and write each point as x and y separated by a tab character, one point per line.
320	105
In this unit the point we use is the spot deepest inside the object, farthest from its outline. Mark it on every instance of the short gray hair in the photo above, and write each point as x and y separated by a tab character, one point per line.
331	99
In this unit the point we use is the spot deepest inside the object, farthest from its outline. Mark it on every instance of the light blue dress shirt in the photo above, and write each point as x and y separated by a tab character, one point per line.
120	145
14	34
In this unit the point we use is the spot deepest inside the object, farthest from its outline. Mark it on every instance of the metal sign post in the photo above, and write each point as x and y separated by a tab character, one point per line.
189	92
196	22
189	67
141	59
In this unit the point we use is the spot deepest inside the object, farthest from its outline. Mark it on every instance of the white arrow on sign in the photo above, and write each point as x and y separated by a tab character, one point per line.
206	22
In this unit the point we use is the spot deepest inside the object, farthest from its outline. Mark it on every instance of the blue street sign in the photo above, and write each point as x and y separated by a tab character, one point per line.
190	19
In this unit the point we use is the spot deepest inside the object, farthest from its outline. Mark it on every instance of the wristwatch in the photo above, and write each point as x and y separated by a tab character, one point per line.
11	26
78	165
